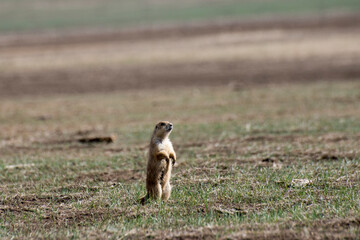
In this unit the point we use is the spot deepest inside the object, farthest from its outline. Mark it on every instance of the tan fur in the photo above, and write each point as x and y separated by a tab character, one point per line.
161	159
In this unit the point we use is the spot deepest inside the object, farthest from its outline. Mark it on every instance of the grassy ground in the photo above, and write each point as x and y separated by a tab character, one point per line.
240	146
239	151
24	15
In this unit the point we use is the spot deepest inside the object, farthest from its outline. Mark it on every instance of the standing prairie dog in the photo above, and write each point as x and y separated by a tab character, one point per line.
161	159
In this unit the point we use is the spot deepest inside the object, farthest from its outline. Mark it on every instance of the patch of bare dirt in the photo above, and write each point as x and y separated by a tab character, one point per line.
298	156
112	176
28	201
329	229
271	150
219	73
65	215
70	217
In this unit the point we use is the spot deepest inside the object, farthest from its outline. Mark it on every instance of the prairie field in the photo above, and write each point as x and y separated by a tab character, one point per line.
239	152
266	116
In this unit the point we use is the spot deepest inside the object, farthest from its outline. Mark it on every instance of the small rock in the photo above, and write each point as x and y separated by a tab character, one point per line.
300	182
19	166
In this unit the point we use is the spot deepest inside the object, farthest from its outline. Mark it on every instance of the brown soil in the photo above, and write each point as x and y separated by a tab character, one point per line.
326	229
65	215
239	74
278	157
112	176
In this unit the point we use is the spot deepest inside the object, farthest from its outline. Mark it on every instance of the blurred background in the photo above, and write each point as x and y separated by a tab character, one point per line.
53	47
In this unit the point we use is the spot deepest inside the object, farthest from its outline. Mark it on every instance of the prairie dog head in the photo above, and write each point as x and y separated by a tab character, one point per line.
163	129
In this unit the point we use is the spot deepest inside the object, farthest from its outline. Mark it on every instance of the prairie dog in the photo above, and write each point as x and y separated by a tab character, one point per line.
161	159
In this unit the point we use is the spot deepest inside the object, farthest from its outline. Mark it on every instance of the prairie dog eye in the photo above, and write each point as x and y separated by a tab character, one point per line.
162	124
